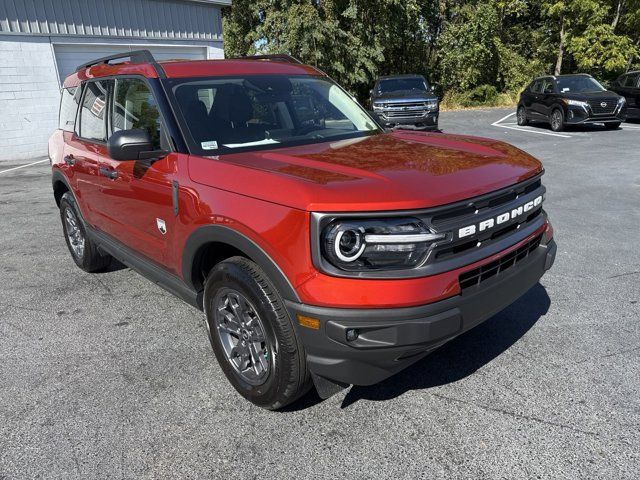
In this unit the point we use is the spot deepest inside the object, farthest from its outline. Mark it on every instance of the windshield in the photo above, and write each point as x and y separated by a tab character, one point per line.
228	114
402	84
578	84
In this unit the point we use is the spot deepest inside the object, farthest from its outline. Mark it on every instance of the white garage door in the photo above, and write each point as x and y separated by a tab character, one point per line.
69	56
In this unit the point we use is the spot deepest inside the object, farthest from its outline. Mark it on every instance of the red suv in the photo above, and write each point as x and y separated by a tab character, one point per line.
322	249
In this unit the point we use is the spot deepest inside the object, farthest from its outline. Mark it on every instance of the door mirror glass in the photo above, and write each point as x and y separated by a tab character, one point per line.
134	144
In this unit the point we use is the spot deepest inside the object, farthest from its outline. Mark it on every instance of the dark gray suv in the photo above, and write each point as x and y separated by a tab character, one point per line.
628	85
405	101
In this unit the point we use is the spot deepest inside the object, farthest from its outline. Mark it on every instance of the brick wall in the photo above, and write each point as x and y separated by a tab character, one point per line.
29	97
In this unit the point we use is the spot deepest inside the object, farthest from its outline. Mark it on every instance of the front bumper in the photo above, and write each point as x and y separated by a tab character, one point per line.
579	115
390	340
425	122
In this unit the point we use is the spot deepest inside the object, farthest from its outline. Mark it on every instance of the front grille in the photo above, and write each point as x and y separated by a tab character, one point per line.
603	107
405	110
451	219
478	275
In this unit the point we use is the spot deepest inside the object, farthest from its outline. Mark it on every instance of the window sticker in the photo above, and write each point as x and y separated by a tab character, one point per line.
98	106
210	145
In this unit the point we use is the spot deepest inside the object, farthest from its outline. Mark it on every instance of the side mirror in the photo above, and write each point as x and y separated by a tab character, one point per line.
134	144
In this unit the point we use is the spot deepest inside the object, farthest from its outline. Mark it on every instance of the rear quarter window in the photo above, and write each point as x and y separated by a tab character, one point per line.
92	113
69	108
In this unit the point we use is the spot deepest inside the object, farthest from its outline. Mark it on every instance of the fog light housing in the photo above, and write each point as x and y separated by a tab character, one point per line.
352	334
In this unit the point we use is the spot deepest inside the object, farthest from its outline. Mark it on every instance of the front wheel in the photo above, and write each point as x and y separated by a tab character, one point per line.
521	116
557	120
83	251
612	125
253	336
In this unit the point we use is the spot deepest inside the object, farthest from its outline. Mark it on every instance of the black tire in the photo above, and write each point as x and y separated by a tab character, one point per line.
557	120
521	116
612	125
89	259
287	377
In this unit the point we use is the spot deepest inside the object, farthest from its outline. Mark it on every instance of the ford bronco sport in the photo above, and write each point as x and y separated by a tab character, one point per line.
323	250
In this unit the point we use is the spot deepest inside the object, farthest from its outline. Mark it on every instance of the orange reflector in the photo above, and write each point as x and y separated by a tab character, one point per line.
309	322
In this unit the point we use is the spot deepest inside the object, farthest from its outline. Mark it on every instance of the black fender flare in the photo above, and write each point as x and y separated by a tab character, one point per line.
58	176
218	233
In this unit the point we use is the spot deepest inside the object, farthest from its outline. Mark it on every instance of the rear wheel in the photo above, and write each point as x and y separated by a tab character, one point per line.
521	116
557	120
612	125
83	251
252	335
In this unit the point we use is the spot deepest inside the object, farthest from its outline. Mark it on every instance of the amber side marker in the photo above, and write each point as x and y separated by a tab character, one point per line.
309	322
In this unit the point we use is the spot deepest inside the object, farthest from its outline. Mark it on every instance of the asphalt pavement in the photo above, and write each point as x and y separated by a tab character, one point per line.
107	376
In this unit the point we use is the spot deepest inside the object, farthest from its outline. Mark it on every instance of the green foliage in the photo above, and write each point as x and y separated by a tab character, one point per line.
469	48
601	51
481	52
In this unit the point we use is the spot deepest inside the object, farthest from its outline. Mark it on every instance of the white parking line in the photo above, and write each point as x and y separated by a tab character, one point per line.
23	166
523	129
625	126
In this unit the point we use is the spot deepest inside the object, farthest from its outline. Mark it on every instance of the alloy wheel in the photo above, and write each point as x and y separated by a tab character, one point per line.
242	335
522	117
74	233
556	120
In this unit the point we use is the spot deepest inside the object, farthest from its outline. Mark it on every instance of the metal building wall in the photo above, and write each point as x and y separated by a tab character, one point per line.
167	19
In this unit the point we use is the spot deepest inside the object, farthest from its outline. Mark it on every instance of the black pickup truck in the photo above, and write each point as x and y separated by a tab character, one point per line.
405	101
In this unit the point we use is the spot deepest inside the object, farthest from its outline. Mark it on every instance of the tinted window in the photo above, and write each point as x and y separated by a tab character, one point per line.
135	107
92	113
536	87
629	81
402	85
68	108
269	110
547	86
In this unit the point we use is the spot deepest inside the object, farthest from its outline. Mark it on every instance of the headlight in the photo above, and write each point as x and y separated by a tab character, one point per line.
386	244
622	101
577	103
431	104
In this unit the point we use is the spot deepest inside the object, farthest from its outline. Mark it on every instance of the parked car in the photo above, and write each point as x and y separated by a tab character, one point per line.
628	86
570	100
405	101
322	249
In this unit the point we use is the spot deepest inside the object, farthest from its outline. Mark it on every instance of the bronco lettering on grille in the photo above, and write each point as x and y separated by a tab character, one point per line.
500	219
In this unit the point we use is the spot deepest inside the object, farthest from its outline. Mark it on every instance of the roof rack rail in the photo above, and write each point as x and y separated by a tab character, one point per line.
282	57
136	56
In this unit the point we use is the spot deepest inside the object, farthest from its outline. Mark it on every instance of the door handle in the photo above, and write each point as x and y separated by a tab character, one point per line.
109	173
69	160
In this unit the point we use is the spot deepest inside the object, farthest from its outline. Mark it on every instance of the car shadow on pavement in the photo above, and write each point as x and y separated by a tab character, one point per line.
465	354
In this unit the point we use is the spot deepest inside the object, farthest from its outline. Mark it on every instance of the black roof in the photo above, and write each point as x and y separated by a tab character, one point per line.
408	75
563	76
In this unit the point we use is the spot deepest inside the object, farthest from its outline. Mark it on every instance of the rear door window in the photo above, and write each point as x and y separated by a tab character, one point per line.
134	106
630	81
547	86
92	114
69	108
536	87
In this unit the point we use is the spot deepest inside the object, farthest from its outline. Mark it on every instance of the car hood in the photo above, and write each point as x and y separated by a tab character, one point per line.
387	171
404	97
590	95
